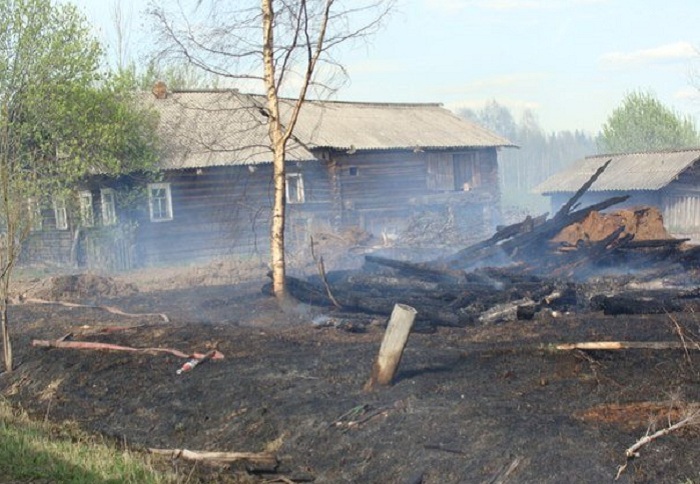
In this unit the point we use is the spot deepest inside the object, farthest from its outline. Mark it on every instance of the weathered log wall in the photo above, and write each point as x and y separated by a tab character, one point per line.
226	211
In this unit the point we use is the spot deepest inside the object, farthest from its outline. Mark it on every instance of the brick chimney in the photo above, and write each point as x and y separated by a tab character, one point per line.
160	90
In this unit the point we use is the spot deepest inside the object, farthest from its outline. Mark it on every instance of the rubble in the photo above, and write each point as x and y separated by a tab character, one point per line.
510	274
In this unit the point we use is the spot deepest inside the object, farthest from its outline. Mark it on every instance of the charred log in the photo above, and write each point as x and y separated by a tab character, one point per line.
650	302
566	208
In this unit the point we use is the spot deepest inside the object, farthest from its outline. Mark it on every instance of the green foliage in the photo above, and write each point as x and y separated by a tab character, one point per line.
32	451
64	117
643	123
61	118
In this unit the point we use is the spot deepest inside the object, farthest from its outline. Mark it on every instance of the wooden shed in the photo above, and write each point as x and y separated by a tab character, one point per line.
371	166
668	180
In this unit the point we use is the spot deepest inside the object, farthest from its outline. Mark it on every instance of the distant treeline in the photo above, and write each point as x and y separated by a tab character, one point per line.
540	154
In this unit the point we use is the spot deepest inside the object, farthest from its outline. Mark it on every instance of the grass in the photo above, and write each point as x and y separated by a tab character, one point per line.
32	451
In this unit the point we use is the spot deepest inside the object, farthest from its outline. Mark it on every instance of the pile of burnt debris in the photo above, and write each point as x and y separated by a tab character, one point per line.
578	260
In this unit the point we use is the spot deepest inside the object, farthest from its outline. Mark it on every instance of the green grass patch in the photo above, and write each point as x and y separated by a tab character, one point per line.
32	451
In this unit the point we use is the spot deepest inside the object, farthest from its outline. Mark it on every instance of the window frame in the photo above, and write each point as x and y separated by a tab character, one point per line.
168	205
108	206
60	213
37	217
298	180
87	214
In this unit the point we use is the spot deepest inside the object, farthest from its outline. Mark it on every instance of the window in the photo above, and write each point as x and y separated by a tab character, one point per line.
87	217
160	202
466	171
352	171
294	187
60	215
109	209
440	172
37	221
446	172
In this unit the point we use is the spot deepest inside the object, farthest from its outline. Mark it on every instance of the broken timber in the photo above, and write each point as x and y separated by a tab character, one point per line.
627	345
448	291
264	459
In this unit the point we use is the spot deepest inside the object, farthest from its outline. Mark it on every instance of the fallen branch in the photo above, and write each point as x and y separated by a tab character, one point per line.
90	345
109	309
633	451
626	345
505	475
322	274
359	415
265	459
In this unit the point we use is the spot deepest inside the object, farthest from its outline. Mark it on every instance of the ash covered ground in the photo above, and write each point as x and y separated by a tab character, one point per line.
480	403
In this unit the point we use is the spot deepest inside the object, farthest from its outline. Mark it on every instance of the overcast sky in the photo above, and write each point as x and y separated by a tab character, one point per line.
570	61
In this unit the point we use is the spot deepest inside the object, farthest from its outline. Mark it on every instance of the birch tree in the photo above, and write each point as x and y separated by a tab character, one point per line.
284	48
61	117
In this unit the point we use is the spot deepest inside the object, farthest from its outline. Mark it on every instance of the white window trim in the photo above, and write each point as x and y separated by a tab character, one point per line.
109	206
168	202
298	180
60	213
37	220
87	216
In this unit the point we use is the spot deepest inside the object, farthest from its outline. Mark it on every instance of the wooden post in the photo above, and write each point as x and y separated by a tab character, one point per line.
392	347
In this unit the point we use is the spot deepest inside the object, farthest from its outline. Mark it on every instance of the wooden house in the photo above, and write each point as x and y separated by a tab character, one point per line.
366	165
668	180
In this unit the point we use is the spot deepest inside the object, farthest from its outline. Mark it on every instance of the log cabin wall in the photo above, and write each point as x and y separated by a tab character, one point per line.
381	190
225	211
47	244
63	236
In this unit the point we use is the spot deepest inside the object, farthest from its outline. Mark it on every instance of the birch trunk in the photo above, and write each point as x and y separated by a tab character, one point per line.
278	143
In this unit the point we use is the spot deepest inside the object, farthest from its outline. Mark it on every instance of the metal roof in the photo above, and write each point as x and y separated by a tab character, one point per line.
629	171
203	129
382	126
216	128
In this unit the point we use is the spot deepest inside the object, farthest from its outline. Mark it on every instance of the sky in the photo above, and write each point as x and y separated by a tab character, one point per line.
571	62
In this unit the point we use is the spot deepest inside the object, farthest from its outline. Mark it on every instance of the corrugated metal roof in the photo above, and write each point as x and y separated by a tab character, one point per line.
215	128
630	171
203	129
373	126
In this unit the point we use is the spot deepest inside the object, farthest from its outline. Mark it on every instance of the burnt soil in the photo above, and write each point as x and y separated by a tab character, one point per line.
479	404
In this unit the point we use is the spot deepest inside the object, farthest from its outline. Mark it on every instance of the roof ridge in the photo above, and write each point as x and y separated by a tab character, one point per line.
320	101
643	152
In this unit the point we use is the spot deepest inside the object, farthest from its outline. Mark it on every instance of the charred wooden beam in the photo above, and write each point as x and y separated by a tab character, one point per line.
655	243
529	245
632	304
418	269
566	208
524	227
